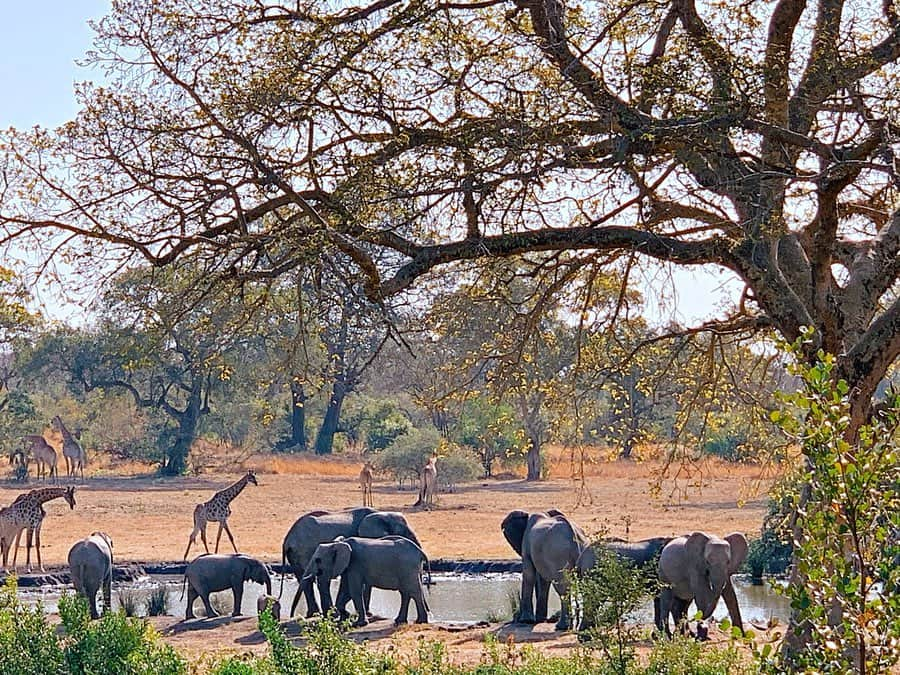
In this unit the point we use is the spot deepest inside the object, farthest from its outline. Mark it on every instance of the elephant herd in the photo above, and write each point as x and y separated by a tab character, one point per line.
369	549
691	568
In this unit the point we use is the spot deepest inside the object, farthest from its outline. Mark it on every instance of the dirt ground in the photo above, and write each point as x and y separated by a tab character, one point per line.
149	519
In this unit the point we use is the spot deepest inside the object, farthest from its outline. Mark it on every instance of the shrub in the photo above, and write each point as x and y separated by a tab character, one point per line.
610	593
129	601
405	457
845	590
28	644
113	645
158	601
457	465
686	656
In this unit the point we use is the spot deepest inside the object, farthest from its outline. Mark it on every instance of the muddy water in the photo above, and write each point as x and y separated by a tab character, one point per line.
452	598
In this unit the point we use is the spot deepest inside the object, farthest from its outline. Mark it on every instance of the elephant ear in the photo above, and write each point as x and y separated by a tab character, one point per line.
513	527
695	548
342	553
739	548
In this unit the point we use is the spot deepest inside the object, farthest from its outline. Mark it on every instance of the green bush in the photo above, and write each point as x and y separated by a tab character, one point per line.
28	644
457	465
114	644
686	656
404	458
610	593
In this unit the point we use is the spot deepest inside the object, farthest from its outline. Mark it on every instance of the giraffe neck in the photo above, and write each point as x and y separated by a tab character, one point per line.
233	491
65	432
46	494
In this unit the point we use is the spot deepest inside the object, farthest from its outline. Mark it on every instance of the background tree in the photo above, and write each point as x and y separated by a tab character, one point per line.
760	141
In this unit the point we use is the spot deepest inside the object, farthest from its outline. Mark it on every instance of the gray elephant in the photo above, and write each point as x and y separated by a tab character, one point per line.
392	563
213	572
550	544
698	568
91	565
319	527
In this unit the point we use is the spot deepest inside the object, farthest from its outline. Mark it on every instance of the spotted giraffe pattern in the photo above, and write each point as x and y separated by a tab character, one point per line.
27	513
217	510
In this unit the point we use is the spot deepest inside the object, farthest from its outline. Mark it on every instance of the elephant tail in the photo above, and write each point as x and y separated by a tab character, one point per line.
183	586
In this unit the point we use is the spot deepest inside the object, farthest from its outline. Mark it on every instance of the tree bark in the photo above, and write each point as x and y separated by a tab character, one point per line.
298	437
188	420
533	459
325	438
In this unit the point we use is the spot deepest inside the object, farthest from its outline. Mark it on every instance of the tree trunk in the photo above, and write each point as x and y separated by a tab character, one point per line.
176	455
325	438
298	417
533	458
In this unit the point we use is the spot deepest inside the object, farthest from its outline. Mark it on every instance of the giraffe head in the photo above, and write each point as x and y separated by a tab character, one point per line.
70	496
251	477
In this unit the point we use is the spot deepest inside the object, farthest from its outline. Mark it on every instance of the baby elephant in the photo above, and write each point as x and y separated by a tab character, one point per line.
264	601
218	572
393	563
90	561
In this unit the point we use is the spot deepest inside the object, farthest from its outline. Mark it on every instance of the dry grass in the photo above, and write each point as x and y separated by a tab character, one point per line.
305	465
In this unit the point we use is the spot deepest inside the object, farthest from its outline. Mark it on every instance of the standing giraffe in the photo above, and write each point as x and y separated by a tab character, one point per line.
428	483
44	454
27	513
365	483
72	450
217	509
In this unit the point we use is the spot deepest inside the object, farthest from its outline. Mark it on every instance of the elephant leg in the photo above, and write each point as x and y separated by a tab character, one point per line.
90	592
542	593
565	622
421	607
238	592
210	612
107	593
230	538
403	615
730	598
312	607
526	608
367	598
679	614
666	596
343	598
359	604
191	596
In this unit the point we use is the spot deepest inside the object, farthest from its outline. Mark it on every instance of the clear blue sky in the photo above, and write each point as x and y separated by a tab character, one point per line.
38	49
39	43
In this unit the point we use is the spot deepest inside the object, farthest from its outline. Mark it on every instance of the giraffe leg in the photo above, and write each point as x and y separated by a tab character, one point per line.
16	549
228	532
29	535
37	546
219	535
203	537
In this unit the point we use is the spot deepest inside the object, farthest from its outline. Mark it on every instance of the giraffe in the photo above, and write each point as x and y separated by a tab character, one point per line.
72	450
365	483
428	483
217	509
44	454
27	513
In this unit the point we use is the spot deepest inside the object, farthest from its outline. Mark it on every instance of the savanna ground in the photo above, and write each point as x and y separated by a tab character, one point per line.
150	519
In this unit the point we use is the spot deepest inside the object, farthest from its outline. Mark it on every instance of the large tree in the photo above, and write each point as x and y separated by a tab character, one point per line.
417	136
